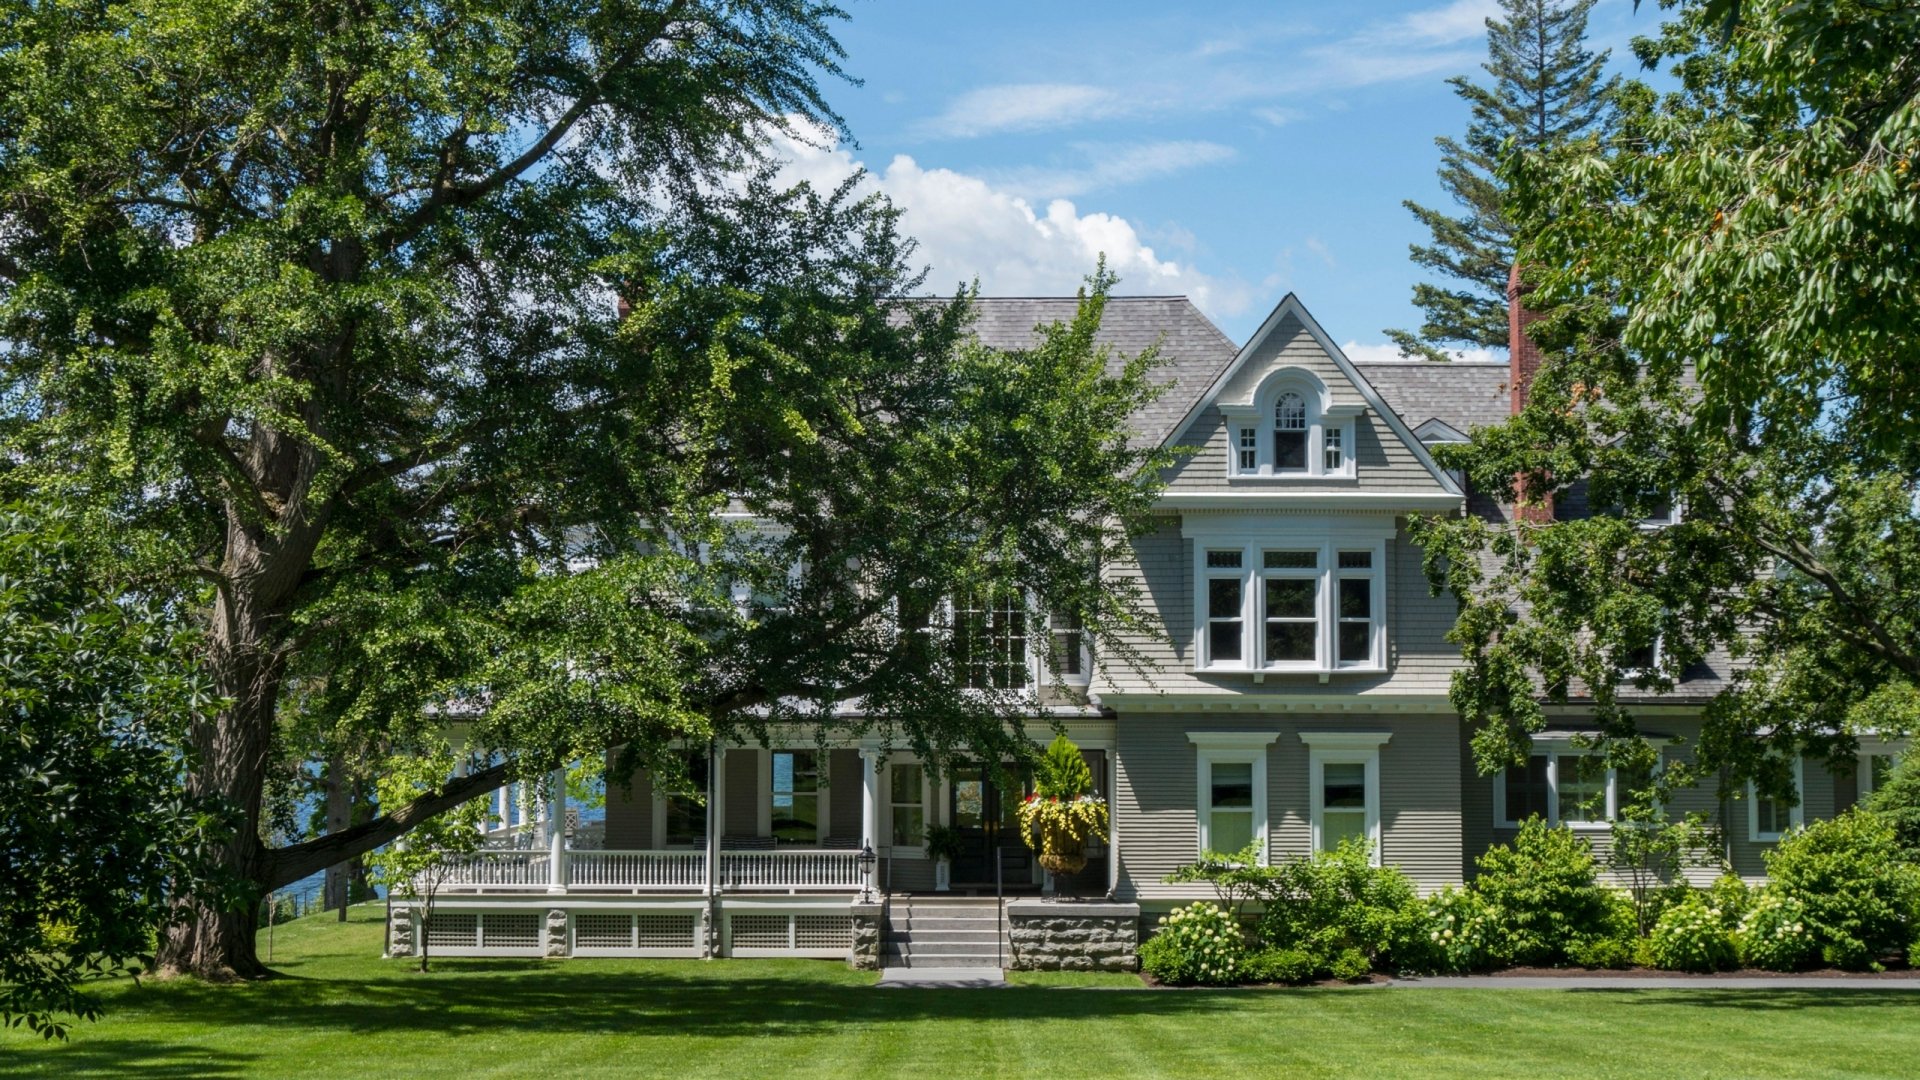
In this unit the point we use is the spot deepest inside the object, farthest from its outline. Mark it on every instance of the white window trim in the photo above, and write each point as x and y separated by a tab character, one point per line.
1231	748
823	807
1554	751
1795	817
1328	544
1323	415
1345	748
904	851
1043	671
1630	674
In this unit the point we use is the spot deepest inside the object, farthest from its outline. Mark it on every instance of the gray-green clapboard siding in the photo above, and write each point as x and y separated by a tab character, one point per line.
1155	797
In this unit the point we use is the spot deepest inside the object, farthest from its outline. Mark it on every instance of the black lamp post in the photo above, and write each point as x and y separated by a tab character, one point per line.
865	860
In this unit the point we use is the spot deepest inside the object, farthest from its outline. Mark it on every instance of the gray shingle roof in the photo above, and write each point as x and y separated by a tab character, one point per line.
1193	351
1465	394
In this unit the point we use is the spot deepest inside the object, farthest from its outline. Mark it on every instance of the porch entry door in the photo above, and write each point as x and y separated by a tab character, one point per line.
987	819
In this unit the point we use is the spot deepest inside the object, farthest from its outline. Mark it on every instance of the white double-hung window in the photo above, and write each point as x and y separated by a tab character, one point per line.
1293	601
1344	787
1230	798
1768	818
1290	428
1564	785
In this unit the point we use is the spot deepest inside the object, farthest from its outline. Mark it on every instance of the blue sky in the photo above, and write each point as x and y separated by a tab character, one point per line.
1229	151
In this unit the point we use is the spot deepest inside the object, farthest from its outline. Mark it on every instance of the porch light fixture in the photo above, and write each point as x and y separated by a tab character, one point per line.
865	860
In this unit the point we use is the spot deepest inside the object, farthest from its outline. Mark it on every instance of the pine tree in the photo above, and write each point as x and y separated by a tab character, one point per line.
1547	88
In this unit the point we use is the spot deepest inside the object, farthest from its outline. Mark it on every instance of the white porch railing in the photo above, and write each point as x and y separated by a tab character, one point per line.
835	870
490	869
680	871
664	871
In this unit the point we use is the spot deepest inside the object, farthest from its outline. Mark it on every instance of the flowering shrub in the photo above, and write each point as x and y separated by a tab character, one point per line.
1860	897
1198	945
1460	932
1691	936
1773	934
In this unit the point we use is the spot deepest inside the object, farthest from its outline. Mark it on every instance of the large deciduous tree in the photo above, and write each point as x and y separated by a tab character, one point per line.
440	353
1729	312
1546	88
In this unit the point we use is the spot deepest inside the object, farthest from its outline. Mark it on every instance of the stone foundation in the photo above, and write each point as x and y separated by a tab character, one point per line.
1094	936
868	919
400	930
556	938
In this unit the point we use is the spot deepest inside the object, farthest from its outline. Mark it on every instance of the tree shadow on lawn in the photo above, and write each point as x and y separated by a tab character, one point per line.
726	1000
114	1056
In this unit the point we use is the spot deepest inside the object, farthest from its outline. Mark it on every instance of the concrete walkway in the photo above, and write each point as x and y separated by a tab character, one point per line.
1653	982
966	978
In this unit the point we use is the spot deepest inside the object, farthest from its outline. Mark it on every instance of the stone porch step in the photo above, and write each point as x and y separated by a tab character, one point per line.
921	936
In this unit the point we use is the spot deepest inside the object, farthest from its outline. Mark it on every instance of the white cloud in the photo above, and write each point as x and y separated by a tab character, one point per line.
1459	21
1376	352
1110	165
972	229
990	110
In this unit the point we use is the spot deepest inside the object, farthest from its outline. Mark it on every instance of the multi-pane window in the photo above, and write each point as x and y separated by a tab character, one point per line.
1225	613
1565	787
907	799
1355	614
1249	449
990	639
796	797
1290	601
1230	806
1343	802
1770	818
1069	646
686	815
1334	454
1290	432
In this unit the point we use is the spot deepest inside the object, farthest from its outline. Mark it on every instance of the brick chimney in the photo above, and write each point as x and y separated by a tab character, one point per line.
1523	362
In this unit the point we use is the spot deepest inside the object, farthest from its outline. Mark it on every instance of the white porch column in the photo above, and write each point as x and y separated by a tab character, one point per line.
870	797
1113	823
503	809
557	831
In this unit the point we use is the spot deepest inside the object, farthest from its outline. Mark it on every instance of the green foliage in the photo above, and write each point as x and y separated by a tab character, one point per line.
1731	896
97	689
1547	88
943	842
1691	936
1858	897
421	862
1773	934
1350	965
1462	936
1238	878
1650	850
1897	802
1335	905
1198	945
1543	894
1062	772
1291	966
1603	952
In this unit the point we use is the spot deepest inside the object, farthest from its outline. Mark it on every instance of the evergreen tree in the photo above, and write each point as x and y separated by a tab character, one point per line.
1547	88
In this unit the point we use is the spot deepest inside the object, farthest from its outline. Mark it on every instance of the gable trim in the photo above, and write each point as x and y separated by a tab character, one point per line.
1438	430
1291	305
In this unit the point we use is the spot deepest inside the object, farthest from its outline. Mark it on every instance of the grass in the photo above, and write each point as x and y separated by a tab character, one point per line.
342	1011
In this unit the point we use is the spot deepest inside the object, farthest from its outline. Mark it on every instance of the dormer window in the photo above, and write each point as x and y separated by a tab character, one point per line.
1289	429
1290	433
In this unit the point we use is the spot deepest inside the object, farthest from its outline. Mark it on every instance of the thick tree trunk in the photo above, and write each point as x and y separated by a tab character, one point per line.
339	816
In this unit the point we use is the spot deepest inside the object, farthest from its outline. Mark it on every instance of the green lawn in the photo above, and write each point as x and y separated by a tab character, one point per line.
341	1011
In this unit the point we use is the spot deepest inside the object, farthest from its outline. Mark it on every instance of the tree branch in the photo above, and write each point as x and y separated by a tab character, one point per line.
289	864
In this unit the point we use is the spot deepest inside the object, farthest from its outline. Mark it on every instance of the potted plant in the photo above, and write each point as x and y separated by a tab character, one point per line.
1062	814
943	843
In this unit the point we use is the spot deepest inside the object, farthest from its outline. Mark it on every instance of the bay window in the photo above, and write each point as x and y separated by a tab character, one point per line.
1279	604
